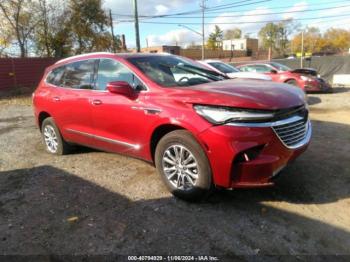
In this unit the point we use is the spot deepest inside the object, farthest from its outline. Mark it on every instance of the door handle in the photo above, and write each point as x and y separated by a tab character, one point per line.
96	102
56	99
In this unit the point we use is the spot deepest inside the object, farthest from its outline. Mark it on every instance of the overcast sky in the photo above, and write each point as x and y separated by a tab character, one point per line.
244	17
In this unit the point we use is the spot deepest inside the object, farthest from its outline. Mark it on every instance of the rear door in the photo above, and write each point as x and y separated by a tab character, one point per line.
73	102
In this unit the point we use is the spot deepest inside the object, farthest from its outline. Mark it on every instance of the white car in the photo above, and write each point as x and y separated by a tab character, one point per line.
231	71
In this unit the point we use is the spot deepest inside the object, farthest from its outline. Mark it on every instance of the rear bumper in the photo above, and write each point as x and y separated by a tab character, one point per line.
247	156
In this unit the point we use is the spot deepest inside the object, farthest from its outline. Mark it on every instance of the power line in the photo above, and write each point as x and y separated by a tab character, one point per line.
318	22
256	15
281	7
243	22
236	4
240	11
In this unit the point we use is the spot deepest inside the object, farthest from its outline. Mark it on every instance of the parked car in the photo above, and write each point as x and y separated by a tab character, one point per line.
231	71
305	78
200	130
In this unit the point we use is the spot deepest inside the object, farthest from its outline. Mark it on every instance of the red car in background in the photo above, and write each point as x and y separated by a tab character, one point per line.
305	78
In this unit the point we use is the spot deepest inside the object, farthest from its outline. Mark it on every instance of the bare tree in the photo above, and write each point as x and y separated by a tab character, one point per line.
6	35
53	18
22	20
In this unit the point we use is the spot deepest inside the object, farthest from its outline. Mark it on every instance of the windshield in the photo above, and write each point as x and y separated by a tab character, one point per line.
173	71
222	67
280	67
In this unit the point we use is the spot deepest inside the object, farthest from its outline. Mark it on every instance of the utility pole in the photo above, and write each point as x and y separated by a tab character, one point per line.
137	33
203	35
112	31
302	50
270	48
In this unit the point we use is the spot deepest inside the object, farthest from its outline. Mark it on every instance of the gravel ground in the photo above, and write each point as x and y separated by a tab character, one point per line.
91	202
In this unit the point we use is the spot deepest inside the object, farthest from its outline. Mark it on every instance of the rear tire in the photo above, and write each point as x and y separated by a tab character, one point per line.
52	138
292	82
184	166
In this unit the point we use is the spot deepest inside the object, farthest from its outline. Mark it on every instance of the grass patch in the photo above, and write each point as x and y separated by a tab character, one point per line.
16	96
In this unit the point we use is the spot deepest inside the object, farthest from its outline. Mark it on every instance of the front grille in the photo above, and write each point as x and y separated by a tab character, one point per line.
291	134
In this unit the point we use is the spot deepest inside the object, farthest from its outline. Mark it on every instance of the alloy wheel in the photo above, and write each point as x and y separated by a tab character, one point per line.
180	167
50	138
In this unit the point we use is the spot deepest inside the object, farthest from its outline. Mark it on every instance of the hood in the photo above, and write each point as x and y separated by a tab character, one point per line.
305	71
245	93
249	75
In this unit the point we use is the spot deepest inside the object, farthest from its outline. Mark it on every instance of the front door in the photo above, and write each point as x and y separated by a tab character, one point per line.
119	121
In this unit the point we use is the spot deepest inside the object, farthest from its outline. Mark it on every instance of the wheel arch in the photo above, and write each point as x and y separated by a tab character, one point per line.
159	132
289	79
41	117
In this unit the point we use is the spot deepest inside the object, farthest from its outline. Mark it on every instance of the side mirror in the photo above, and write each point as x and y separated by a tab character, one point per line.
273	71
121	88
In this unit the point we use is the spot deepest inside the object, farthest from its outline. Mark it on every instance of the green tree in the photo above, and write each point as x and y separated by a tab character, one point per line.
233	34
215	38
286	28
88	24
269	35
277	36
52	35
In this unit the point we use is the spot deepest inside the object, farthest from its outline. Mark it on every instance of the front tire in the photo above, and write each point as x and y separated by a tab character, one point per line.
183	166
52	138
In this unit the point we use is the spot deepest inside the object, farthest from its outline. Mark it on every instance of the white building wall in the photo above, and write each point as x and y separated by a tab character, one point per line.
238	44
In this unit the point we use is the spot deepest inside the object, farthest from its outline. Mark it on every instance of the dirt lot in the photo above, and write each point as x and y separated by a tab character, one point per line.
91	202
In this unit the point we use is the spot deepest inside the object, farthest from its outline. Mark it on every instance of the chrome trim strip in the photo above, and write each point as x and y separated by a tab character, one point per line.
268	124
105	139
303	142
290	120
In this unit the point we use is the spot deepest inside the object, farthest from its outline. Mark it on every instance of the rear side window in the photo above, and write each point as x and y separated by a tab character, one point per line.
261	68
55	77
79	75
110	70
224	67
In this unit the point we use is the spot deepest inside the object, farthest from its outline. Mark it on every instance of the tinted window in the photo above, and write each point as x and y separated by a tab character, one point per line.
110	70
225	68
246	69
55	76
256	68
79	75
281	67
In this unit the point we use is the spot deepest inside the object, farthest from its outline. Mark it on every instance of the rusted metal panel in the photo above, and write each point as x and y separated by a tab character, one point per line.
22	72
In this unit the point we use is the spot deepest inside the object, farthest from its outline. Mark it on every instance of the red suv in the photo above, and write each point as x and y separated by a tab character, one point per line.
305	78
199	129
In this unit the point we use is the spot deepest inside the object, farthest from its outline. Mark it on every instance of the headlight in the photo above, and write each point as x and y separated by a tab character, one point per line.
221	115
305	78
